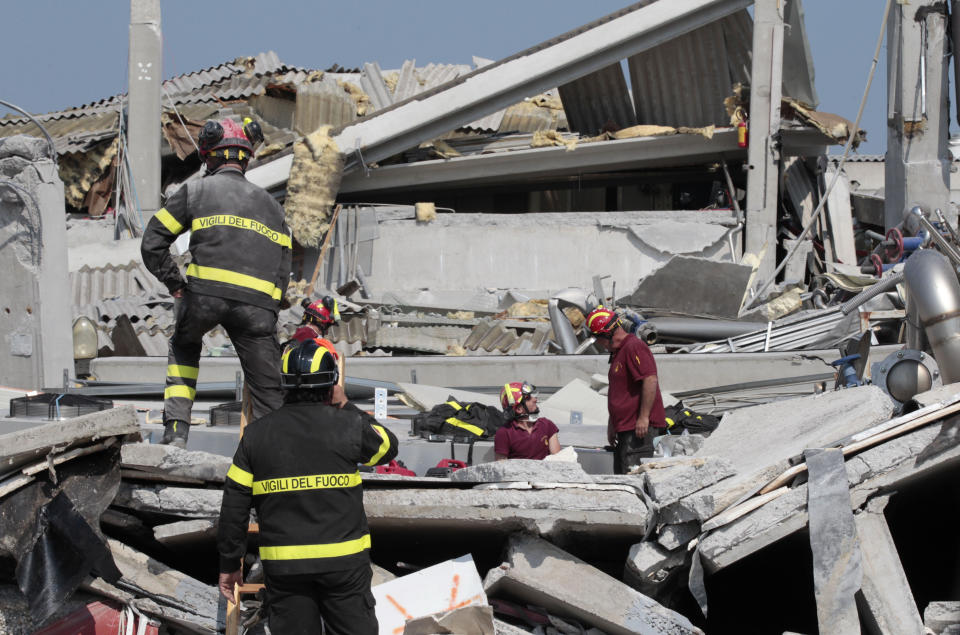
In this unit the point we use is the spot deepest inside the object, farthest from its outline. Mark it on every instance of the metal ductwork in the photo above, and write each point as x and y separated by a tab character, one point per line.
562	329
932	283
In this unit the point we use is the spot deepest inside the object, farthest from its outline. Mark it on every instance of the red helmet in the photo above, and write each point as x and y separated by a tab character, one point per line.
218	137
515	393
602	321
324	312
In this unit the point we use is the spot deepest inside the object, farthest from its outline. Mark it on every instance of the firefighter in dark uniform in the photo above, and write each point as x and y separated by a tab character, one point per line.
241	251
297	467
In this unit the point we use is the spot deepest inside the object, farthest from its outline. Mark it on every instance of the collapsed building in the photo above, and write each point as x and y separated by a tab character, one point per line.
468	219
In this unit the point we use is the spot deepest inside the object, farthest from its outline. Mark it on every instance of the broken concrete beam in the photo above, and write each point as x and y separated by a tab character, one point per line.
536	572
600	511
678	477
524	470
476	620
380	575
168	459
649	564
675	536
174	501
885	601
708	502
940	616
26	446
503	628
185	531
884	466
173	596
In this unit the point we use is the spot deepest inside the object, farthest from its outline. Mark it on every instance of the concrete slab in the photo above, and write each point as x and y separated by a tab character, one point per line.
553	512
513	470
185	532
883	467
672	237
27	445
174	501
693	286
885	600
539	573
577	395
761	439
477	620
648	564
167	459
939	616
675	478
673	537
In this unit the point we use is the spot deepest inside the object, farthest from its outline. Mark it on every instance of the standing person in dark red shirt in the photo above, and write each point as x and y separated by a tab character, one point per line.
525	435
633	400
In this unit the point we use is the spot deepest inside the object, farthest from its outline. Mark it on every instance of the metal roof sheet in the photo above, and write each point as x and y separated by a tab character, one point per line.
593	102
684	81
91	285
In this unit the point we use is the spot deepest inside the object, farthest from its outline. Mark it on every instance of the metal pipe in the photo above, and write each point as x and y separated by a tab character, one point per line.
700	329
868	294
53	147
917	216
562	329
932	282
950	229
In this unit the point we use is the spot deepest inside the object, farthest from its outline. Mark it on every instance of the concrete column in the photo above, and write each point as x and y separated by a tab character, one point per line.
143	121
763	156
917	160
885	601
36	341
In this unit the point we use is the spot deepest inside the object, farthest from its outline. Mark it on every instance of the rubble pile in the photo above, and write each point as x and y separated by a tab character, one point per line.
551	545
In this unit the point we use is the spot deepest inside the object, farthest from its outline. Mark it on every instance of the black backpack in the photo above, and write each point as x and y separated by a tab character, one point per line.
471	421
680	418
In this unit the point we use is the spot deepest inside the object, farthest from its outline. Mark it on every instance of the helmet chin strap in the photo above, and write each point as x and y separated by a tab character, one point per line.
530	416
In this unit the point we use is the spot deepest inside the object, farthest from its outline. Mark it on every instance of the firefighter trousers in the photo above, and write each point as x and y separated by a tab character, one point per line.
253	332
296	603
631	448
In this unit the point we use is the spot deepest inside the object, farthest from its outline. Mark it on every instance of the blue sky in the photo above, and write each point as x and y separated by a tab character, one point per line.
57	54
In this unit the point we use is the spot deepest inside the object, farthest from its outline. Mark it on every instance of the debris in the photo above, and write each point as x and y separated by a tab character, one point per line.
426	212
539	573
472	619
522	470
312	187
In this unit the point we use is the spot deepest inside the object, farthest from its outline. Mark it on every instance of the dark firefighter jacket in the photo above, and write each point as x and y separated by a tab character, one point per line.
240	245
298	467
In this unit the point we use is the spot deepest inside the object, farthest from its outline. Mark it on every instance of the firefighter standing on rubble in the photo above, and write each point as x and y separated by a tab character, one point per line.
634	404
298	468
241	251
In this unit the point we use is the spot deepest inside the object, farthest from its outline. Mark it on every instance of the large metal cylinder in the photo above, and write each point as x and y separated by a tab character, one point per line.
932	283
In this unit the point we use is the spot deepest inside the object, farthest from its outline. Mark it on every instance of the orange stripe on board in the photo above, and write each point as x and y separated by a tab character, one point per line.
453	590
402	610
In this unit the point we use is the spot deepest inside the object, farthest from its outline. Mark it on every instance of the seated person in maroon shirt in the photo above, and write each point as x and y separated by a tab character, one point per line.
525	435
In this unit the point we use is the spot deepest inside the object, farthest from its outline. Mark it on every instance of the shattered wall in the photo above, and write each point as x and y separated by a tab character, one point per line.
539	251
36	342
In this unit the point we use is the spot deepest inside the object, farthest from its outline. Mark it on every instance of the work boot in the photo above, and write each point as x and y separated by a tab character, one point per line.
175	433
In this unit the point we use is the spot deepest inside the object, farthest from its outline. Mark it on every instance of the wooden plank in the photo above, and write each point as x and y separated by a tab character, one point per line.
730	515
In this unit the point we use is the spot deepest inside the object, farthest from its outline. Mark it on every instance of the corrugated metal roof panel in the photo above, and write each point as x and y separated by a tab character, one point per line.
92	285
593	102
321	103
684	81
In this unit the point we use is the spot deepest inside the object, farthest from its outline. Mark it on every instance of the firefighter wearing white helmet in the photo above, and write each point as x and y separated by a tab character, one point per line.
240	248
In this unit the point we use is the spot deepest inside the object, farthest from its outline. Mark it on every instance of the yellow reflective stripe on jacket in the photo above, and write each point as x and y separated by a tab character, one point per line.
311	481
241	477
455	405
229	220
234	278
384	446
185	392
466	426
328	550
167	220
186	372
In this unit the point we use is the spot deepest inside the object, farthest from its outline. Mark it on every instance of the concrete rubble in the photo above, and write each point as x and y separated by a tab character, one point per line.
818	503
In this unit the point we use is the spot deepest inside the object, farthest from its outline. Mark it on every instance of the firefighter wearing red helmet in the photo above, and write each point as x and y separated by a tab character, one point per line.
634	404
525	435
240	248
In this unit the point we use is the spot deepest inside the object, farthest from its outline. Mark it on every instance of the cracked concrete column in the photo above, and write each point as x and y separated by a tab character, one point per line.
36	343
917	167
763	155
143	121
885	601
